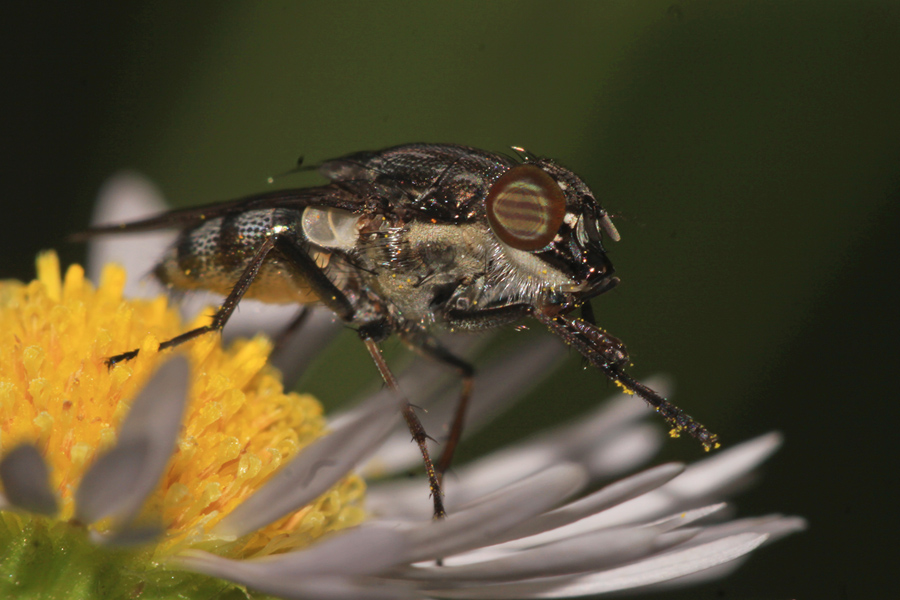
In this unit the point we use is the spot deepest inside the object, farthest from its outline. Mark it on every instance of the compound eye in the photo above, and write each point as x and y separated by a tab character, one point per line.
525	207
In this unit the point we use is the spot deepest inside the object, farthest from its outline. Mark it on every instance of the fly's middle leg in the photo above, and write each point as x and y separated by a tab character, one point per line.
412	420
429	347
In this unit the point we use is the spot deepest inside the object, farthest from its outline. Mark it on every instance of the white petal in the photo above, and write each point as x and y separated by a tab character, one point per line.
336	588
726	466
120	480
783	526
360	551
701	482
402	500
688	516
609	426
553	524
582	528
587	553
318	467
489	518
422	380
668	566
693	579
624	451
326	567
774	526
128	196
571	442
652	570
26	481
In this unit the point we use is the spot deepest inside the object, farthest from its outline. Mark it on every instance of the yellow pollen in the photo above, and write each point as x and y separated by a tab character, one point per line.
625	389
57	393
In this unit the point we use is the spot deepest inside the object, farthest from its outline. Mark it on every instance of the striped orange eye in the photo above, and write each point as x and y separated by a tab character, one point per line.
525	207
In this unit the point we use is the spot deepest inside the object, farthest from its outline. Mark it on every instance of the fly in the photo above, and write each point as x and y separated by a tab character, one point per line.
409	241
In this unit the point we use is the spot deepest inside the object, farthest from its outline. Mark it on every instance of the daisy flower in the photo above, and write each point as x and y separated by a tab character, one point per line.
193	474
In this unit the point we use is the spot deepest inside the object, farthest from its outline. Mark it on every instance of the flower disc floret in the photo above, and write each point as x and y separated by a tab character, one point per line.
58	394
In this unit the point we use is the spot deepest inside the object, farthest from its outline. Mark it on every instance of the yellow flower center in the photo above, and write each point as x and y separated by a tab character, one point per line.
57	393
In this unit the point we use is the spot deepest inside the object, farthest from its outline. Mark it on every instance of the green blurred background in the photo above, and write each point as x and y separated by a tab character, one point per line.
751	151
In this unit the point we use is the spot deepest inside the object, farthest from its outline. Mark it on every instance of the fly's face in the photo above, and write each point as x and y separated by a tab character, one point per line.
545	210
474	232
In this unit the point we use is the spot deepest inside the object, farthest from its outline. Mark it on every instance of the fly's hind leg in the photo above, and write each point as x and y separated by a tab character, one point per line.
225	311
430	347
294	254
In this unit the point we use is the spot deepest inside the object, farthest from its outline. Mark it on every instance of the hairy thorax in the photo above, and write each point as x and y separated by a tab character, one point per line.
428	270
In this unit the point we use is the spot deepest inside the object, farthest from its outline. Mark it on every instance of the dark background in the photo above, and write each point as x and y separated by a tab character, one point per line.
751	151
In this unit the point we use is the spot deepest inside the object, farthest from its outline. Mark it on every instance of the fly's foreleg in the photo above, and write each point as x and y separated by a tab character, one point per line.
608	354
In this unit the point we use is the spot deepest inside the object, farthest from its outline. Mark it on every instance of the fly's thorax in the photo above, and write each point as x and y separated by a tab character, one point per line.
425	270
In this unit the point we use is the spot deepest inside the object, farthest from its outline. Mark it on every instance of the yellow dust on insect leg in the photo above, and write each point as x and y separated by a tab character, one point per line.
625	389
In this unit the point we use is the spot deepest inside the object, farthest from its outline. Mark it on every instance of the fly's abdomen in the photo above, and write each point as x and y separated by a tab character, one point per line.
213	257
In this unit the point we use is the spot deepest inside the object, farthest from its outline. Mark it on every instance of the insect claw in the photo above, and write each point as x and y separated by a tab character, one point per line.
125	356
